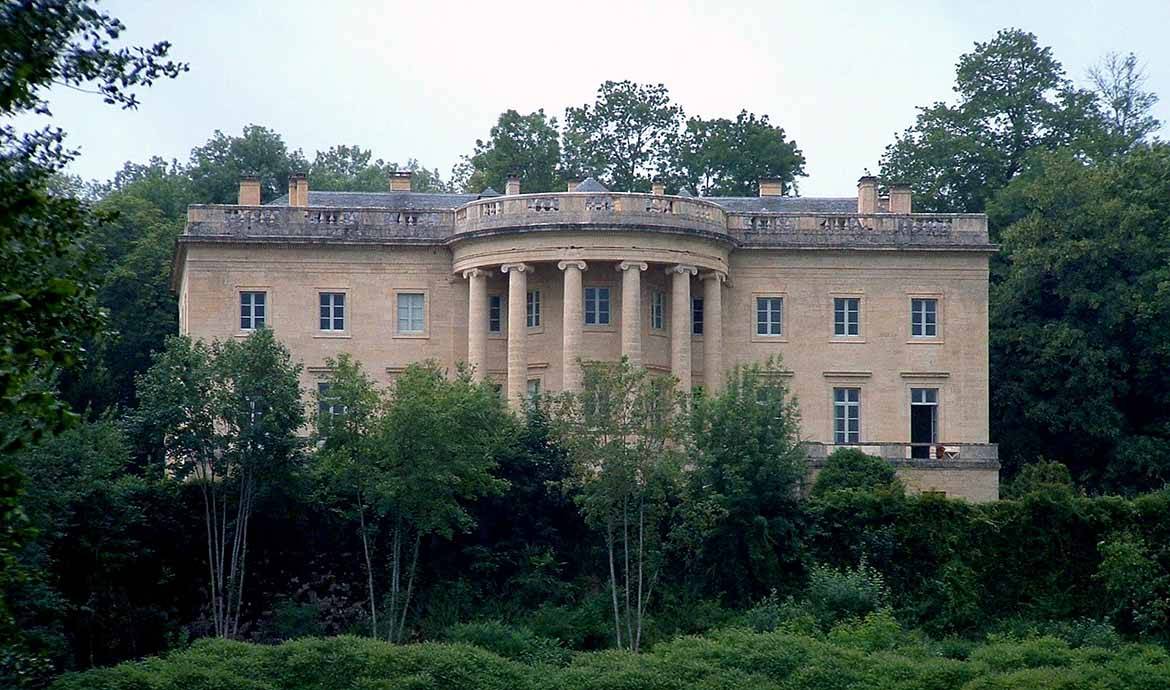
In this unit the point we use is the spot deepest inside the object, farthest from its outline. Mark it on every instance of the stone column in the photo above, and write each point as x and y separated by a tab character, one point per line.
680	324
477	321
713	330
517	332
632	310
573	320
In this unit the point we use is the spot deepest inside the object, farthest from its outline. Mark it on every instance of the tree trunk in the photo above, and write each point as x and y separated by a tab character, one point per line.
641	557
617	625
369	569
409	586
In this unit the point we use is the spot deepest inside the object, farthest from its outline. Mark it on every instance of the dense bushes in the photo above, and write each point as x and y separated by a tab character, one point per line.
874	652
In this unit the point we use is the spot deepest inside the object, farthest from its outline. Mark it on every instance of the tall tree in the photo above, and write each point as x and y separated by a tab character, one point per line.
724	157
1013	99
527	145
624	432
349	169
748	464
216	166
624	137
225	417
1120	85
1079	354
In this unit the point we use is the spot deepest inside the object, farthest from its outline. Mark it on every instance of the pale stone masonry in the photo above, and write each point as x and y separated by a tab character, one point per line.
880	314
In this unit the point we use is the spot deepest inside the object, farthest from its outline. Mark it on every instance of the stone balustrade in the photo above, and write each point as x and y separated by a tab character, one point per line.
605	211
956	454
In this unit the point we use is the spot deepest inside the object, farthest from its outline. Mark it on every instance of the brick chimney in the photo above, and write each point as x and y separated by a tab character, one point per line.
571	184
512	186
298	190
249	191
658	188
900	198
771	186
400	181
867	194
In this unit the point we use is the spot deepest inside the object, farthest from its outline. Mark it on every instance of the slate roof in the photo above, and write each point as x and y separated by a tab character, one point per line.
429	200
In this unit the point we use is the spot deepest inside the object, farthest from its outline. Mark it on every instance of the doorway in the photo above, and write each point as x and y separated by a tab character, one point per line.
923	421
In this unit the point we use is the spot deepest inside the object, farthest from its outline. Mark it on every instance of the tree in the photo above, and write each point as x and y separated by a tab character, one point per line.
722	157
624	432
526	145
850	469
1119	81
437	444
216	166
1082	317
624	137
349	169
1013	99
226	417
748	465
348	463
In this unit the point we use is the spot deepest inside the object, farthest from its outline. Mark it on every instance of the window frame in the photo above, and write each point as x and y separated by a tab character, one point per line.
846	323
322	388
937	337
398	294
754	319
657	310
533	299
842	436
267	307
585	313
501	318
346	312
698	312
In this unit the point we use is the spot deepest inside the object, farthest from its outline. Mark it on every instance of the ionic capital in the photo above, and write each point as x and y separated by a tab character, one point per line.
682	268
626	265
718	276
476	273
515	268
576	263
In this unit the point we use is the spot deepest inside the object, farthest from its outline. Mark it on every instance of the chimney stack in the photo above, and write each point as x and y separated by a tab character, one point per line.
512	186
900	198
657	188
249	191
867	194
771	186
298	190
571	184
400	181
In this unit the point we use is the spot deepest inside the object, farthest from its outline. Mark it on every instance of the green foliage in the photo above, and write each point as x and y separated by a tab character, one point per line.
835	595
217	166
525	145
623	137
1137	588
722	157
743	489
513	642
1037	477
871	653
850	469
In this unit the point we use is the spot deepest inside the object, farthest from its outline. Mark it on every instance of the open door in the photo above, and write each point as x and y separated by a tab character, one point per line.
923	421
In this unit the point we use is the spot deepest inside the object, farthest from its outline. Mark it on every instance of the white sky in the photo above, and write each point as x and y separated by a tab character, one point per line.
425	79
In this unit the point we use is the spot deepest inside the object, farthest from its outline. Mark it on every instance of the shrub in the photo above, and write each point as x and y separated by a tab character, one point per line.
851	469
1040	476
511	642
836	595
773	613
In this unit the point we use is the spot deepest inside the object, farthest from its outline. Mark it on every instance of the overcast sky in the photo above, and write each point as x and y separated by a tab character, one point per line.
424	79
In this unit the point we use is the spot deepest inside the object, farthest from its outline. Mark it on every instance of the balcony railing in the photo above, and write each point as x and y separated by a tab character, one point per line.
959	454
261	222
604	209
848	229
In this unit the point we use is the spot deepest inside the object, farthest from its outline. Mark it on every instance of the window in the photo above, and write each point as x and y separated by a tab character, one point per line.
333	311
924	318
495	313
846	317
657	309
533	389
533	308
596	306
411	317
846	415
253	307
327	405
923	421
697	316
769	315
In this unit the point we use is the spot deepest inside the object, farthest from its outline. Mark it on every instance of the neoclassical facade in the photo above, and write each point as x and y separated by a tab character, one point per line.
879	314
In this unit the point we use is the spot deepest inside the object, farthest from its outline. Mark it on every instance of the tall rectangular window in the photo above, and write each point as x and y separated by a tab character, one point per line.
332	311
327	404
411	314
253	310
846	415
769	316
495	314
533	309
923	421
846	316
596	306
657	310
697	316
924	318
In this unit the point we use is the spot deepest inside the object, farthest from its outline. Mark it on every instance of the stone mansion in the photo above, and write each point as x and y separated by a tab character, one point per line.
880	314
